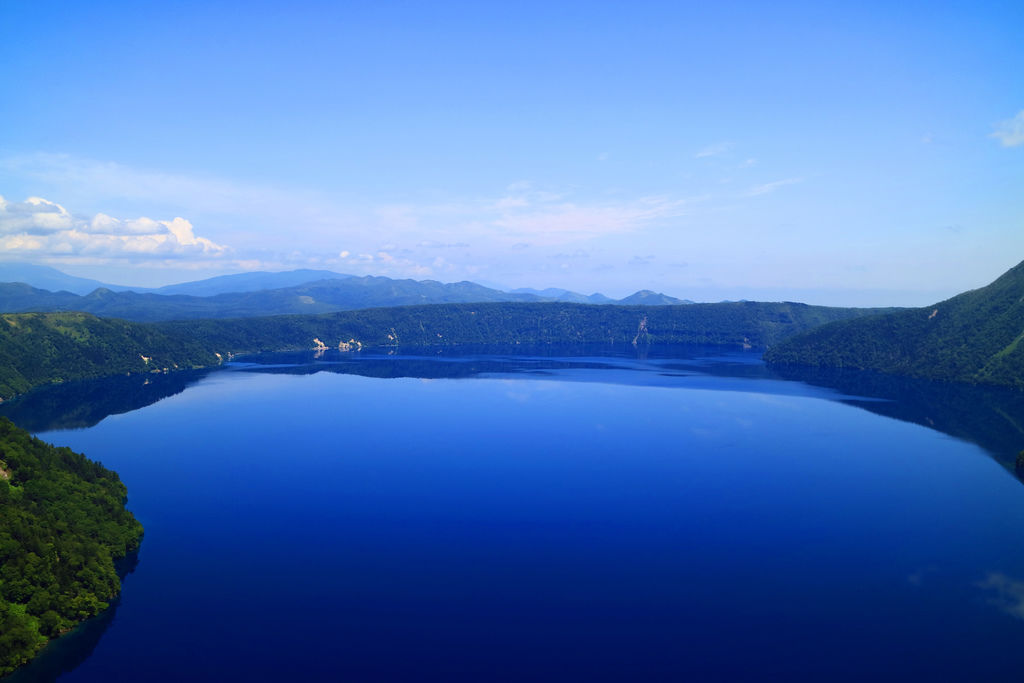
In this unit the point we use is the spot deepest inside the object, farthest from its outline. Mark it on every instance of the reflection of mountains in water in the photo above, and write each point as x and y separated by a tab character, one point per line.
81	404
464	363
990	417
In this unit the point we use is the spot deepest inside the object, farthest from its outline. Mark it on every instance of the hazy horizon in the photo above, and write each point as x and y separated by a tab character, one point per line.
845	297
862	155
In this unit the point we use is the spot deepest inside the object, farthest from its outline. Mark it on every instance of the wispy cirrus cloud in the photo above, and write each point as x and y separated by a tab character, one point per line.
568	221
1010	132
525	214
715	150
1009	593
768	188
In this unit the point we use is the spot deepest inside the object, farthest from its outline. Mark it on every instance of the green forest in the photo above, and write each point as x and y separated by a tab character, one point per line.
973	337
756	324
64	524
41	348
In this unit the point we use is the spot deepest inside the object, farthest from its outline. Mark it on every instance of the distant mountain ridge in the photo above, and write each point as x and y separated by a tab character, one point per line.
555	294
249	282
646	297
977	336
53	280
322	296
266	293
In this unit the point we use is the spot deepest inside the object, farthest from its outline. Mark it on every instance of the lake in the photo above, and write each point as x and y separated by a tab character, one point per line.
583	514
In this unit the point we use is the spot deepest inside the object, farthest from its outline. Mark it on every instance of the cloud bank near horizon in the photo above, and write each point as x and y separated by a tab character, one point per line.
521	226
739	227
38	228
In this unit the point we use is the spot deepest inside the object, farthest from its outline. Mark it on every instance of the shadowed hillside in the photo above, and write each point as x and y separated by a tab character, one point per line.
973	337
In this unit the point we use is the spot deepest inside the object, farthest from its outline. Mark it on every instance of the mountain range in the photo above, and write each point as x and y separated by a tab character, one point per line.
975	337
53	280
42	289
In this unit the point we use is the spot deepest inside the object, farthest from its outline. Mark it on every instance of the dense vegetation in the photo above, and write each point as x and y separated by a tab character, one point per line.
64	524
756	324
974	337
40	348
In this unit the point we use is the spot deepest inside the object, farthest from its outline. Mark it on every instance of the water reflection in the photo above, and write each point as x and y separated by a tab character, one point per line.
82	404
819	532
990	417
1009	593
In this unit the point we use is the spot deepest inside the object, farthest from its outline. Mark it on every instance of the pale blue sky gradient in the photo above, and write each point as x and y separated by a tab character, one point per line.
854	153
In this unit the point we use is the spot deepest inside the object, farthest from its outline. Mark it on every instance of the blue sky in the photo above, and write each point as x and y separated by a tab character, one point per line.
854	153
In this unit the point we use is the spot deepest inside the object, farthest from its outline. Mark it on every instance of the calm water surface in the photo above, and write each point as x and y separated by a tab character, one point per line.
583	518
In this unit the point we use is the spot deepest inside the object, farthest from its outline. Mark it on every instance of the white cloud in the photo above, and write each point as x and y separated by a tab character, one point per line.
34	216
88	182
279	228
768	188
39	228
1010	132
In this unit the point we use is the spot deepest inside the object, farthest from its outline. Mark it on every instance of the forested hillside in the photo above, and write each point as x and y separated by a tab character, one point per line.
39	348
756	324
977	336
64	524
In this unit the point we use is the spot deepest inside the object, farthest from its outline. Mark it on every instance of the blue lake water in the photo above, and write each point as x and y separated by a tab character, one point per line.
686	516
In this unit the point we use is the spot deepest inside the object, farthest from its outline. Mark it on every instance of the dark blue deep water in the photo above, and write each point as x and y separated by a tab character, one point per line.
687	516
